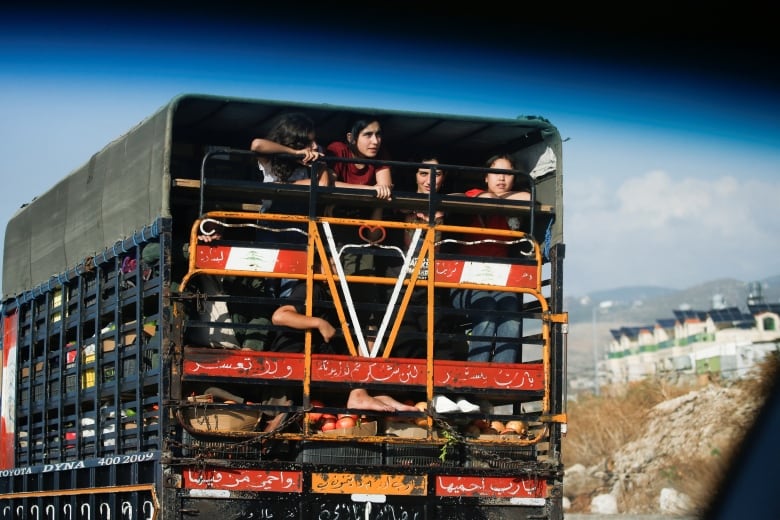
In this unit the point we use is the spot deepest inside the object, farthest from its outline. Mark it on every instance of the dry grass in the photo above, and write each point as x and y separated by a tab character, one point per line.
599	426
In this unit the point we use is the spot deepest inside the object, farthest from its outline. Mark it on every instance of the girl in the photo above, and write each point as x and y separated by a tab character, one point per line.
481	303
363	140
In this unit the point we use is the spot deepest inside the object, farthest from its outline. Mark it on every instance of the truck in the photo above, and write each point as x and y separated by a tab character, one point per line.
112	407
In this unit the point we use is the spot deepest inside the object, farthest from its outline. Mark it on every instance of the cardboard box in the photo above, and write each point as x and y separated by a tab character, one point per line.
406	430
108	344
362	430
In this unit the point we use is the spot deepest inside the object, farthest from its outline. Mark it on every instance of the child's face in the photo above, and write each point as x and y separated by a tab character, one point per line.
500	183
369	140
424	178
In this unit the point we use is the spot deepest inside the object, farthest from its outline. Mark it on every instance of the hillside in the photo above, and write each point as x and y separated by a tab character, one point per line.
654	448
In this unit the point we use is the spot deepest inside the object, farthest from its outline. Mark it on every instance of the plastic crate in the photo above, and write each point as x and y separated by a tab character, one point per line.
38	394
498	456
87	378
70	383
221	449
88	374
417	454
341	453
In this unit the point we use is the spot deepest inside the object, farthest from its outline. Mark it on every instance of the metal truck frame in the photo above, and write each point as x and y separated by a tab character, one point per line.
109	410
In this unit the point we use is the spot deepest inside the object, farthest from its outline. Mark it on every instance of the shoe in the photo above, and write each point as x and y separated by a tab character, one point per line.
467	407
443	404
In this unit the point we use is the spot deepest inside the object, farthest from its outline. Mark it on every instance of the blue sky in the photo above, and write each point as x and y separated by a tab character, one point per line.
671	173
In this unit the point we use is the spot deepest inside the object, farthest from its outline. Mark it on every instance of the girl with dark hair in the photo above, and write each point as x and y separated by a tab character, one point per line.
292	134
480	303
363	140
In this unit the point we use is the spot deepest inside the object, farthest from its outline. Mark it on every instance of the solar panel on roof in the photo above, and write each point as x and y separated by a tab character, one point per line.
729	314
764	307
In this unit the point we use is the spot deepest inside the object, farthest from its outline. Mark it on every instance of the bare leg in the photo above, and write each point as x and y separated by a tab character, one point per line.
360	400
397	405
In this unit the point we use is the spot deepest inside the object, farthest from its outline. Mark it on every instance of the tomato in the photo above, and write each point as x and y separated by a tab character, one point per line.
482	424
315	416
347	421
421	421
328	425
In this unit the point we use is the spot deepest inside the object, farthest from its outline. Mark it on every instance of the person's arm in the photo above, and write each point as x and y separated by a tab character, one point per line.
209	231
383	191
519	195
326	179
384	176
267	147
288	316
510	195
384	183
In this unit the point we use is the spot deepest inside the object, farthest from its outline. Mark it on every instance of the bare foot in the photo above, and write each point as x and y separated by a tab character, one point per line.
274	423
397	405
360	400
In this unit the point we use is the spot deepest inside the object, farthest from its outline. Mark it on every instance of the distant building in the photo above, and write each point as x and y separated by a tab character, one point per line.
722	342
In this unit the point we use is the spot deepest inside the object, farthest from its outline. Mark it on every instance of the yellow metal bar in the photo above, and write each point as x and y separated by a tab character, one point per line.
331	280
562	317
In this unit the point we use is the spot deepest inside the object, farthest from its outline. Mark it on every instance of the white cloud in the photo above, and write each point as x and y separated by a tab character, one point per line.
670	230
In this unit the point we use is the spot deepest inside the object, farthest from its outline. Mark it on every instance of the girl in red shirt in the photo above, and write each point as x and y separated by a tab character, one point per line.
495	336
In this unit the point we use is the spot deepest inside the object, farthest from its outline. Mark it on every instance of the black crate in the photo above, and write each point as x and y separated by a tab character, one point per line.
38	392
221	449
499	456
418	454
340	453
